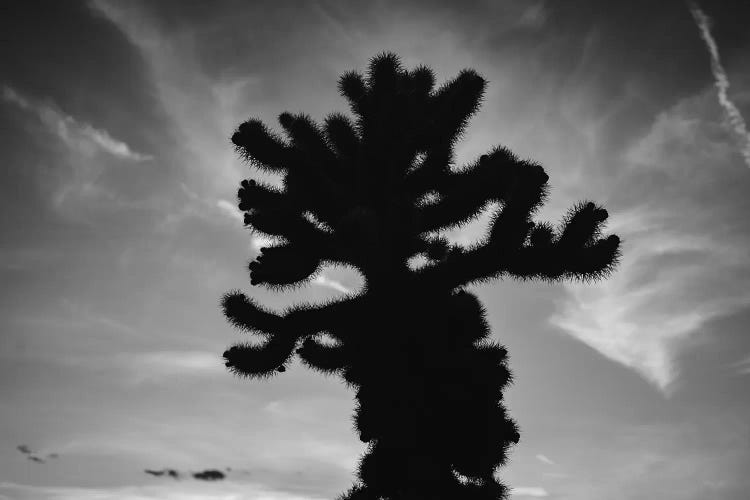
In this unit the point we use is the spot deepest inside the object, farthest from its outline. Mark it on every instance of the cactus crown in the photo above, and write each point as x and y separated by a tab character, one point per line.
372	193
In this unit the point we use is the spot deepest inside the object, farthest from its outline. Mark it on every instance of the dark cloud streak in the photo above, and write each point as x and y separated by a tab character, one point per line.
204	475
209	475
163	473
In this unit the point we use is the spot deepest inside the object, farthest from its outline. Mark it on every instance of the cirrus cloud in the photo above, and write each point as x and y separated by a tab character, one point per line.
79	136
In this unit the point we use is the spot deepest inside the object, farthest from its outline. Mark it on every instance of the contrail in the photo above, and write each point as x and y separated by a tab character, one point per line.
722	81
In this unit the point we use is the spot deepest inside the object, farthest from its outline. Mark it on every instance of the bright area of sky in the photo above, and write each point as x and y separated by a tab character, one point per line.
119	235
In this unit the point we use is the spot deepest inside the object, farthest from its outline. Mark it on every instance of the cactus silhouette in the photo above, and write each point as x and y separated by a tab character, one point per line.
372	193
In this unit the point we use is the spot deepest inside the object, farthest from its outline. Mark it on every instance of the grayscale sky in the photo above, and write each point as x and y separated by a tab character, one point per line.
119	235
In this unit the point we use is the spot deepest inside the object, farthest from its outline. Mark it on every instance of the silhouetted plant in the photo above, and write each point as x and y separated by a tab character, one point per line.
414	344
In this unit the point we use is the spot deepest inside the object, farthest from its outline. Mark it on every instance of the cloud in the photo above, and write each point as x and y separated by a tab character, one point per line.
34	457
683	266
79	136
160	364
207	208
204	475
637	319
721	80
173	491
152	366
203	110
83	174
742	367
529	491
209	475
259	241
163	473
230	210
556	475
322	280
544	459
534	16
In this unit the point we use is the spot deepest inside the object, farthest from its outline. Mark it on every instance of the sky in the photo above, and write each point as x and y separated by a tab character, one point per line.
119	234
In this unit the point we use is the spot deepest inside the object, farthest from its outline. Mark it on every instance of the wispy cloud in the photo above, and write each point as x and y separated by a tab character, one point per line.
76	177
174	491
229	209
721	80
193	205
680	269
34	456
151	366
534	16
204	110
544	459
529	491
160	364
259	241
324	281
80	136
637	316
742	367
163	473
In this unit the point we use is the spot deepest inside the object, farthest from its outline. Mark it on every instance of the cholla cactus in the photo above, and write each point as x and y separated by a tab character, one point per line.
373	193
